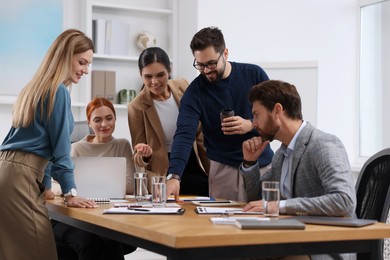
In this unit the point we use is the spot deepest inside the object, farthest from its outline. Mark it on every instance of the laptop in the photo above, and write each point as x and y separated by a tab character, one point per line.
335	221
100	177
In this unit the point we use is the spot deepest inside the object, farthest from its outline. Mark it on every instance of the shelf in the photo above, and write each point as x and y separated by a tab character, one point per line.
84	105
7	100
115	57
119	7
157	17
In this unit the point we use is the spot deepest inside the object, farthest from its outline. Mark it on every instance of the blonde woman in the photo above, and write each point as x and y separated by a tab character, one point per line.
40	132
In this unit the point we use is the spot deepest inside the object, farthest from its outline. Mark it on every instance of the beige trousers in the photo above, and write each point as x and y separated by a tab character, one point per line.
26	232
226	182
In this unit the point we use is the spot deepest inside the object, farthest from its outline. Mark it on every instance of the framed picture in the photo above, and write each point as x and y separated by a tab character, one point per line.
27	29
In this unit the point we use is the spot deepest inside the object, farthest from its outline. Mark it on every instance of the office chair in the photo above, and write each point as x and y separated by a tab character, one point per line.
80	130
373	193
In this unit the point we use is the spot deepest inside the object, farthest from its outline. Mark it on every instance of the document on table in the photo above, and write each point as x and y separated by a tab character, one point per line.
143	205
191	198
151	211
223	210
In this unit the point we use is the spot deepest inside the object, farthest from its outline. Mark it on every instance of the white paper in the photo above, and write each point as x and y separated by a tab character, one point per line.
219	210
144	205
196	198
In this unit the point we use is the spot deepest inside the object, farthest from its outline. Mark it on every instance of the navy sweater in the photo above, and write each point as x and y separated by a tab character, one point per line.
203	102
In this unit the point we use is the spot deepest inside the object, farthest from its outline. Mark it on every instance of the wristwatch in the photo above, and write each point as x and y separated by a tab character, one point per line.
72	192
173	176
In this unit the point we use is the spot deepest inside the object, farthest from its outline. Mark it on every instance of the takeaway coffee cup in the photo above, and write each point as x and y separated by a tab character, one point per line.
226	112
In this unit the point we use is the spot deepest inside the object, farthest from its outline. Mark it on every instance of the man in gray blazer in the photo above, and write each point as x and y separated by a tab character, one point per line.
312	166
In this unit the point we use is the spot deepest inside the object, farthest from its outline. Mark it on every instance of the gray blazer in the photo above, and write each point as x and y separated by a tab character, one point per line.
322	179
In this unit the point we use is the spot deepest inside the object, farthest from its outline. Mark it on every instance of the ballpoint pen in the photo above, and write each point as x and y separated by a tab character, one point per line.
214	202
137	209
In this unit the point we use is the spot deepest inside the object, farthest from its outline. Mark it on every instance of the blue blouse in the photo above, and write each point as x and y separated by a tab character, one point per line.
49	139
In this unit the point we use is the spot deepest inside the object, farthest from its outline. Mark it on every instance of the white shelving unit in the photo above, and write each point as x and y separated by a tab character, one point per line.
158	17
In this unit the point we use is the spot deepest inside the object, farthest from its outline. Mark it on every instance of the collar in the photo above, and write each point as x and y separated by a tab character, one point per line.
290	148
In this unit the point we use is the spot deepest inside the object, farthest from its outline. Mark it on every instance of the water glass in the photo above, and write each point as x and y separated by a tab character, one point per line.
159	191
141	186
271	198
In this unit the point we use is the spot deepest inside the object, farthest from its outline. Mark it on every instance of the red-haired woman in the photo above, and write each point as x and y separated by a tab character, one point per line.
101	119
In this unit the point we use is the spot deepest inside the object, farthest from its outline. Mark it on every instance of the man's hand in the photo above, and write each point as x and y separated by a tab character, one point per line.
79	202
253	148
254	206
236	125
173	187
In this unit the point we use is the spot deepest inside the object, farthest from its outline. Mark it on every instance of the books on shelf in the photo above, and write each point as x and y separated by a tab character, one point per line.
103	84
110	37
99	35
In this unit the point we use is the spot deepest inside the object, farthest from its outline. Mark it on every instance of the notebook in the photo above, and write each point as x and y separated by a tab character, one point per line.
100	178
335	221
270	224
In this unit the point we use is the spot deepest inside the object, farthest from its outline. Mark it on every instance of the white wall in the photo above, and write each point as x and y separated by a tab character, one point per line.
271	31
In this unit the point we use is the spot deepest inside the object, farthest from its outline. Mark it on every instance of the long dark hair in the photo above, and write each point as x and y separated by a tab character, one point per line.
152	55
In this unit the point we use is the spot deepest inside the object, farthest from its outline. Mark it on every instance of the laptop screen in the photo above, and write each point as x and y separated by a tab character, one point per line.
100	177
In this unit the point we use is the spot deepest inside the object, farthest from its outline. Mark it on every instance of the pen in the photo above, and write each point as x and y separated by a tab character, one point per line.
136	209
214	202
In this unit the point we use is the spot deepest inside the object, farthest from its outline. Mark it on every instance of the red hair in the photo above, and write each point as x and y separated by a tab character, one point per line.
96	103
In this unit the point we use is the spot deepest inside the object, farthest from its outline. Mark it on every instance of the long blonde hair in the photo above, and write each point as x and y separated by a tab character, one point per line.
55	69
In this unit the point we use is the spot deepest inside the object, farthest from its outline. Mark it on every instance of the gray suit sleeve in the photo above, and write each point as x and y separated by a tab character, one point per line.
324	183
252	180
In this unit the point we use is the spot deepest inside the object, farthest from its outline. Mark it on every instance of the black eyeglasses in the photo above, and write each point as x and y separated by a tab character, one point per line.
210	65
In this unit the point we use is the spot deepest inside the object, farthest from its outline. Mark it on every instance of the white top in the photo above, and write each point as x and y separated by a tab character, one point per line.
167	111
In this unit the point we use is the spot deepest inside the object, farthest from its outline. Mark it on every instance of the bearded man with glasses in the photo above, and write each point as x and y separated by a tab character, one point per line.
221	84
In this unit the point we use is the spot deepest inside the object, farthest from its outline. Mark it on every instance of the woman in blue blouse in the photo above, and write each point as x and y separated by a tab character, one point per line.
40	132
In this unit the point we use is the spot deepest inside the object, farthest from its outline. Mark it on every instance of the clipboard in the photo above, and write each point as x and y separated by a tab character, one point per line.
145	211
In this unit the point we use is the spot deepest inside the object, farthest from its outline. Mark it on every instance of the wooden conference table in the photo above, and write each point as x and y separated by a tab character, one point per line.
193	236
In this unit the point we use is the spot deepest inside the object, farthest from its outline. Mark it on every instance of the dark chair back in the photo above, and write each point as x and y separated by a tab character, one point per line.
373	192
373	186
